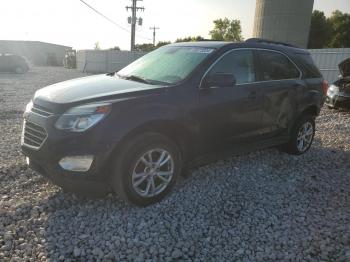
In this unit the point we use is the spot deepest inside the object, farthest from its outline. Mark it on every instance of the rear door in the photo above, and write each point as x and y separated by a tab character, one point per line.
280	86
231	114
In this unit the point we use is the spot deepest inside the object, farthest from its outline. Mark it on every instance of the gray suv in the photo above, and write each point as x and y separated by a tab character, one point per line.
134	131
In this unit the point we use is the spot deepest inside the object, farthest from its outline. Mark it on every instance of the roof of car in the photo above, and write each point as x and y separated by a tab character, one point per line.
207	44
250	43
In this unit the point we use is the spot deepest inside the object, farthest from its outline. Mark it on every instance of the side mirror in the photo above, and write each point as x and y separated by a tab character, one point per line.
219	80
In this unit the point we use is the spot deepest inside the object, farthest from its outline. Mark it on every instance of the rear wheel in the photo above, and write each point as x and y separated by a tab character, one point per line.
302	136
147	170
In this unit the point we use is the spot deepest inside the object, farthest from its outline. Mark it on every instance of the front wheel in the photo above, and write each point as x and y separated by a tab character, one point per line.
302	136
146	169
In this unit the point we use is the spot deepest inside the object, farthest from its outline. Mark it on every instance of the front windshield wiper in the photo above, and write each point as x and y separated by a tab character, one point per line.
143	80
135	78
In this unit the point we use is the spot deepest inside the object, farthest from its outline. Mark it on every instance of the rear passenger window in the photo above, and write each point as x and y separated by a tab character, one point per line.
240	63
275	66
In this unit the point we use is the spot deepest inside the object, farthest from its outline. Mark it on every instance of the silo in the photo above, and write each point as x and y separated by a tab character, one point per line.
283	20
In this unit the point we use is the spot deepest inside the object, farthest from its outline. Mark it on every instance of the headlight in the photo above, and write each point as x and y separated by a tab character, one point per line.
332	91
81	118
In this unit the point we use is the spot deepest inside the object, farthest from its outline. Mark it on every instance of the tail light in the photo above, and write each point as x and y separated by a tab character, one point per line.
325	87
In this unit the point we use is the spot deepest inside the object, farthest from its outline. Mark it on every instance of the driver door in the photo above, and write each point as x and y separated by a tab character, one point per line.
231	114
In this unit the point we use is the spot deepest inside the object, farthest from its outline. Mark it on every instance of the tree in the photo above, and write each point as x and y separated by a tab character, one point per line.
320	30
190	39
97	46
144	47
340	23
116	48
226	30
149	47
162	43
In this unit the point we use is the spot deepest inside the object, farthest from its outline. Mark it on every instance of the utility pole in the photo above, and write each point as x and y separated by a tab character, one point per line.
154	34
133	20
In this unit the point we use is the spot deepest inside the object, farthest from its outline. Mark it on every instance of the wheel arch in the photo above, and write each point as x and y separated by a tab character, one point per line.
312	110
173	130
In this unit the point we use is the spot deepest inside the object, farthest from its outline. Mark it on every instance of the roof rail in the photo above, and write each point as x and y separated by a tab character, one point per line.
266	41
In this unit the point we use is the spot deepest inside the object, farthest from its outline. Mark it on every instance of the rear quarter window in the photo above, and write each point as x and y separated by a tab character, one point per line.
308	66
276	66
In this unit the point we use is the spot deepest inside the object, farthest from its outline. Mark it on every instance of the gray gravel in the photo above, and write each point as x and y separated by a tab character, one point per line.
263	206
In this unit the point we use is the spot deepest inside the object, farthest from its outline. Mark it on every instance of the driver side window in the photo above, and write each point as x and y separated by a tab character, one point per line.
240	63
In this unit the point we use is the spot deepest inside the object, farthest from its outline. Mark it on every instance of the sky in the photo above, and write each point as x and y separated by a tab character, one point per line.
71	23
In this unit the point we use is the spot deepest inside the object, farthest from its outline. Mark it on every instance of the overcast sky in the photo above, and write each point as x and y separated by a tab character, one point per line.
69	22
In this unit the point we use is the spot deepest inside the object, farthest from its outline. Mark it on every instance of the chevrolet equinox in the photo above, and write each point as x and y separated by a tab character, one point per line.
134	131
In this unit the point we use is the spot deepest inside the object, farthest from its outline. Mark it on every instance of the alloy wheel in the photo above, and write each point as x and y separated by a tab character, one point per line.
152	173
305	136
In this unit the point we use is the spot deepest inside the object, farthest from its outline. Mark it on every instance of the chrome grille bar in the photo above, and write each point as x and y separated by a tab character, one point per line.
33	135
41	111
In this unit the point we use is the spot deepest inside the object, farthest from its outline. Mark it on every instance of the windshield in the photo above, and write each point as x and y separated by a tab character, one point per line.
167	65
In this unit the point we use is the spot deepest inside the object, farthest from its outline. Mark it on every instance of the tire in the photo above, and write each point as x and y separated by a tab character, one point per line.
300	142
129	170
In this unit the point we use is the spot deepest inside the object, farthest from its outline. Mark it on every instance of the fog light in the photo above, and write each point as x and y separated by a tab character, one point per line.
76	163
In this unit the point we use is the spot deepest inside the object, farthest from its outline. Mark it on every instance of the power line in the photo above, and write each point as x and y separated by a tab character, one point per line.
110	20
105	17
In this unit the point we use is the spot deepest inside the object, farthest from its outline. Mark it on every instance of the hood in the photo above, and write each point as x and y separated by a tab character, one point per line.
344	68
89	88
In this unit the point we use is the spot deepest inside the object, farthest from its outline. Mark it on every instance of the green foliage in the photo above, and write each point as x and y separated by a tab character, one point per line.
144	47
329	32
190	39
162	43
116	48
320	30
341	29
149	47
226	30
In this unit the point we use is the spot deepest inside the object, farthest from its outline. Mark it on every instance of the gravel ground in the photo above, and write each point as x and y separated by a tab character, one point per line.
263	206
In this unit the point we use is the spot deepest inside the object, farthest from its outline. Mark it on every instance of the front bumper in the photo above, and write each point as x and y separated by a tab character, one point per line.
338	100
60	144
70	181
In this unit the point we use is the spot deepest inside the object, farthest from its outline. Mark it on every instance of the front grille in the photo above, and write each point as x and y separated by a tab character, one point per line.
33	135
41	111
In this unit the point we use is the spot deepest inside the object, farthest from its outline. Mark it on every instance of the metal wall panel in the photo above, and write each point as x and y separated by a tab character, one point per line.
327	61
104	61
